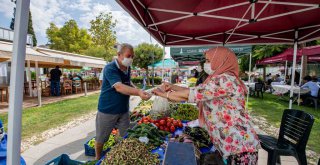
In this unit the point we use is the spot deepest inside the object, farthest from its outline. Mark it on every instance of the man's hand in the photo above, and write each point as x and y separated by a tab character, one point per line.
144	95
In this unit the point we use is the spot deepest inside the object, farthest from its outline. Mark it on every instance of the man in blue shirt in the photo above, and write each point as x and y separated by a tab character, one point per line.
113	106
313	86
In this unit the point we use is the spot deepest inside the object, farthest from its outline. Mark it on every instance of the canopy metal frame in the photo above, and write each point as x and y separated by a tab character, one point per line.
241	22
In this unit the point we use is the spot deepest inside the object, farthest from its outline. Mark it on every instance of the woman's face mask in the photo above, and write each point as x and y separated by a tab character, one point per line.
207	68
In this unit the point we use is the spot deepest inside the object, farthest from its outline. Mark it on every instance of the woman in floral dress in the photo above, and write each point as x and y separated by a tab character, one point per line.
221	102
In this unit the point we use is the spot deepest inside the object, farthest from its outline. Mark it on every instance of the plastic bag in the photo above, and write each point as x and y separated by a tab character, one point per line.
160	108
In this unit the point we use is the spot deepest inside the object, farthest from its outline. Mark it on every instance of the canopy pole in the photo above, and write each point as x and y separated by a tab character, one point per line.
295	50
16	83
38	83
285	71
164	54
300	79
28	72
249	79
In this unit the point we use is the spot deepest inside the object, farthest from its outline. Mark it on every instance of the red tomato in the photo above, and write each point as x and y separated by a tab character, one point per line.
175	123
167	129
139	122
169	125
180	125
162	122
161	128
158	125
172	129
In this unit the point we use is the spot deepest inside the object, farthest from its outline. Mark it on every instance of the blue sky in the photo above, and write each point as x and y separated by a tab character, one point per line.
59	11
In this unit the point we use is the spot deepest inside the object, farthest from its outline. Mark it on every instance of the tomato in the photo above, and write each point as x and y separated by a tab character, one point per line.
148	118
152	121
172	129
158	125
180	125
161	128
162	122
140	122
146	122
167	129
175	123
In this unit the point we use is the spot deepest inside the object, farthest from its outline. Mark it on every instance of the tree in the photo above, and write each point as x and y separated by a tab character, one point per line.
143	56
103	35
69	38
95	51
30	25
263	51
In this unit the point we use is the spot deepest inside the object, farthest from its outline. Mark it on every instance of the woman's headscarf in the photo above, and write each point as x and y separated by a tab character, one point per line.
223	60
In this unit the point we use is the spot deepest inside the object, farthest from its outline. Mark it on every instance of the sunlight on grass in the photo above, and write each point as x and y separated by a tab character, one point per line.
272	108
39	119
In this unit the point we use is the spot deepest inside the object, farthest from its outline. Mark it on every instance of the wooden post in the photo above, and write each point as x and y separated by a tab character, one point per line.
38	84
29	78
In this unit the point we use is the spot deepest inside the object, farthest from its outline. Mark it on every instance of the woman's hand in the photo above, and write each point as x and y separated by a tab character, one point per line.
166	86
159	92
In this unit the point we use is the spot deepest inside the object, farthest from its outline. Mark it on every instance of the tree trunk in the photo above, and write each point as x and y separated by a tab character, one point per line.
147	74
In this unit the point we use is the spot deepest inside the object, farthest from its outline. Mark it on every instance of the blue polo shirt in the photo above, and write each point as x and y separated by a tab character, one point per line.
111	101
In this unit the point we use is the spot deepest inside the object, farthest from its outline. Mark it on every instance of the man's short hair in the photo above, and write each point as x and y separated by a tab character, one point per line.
307	78
57	67
123	47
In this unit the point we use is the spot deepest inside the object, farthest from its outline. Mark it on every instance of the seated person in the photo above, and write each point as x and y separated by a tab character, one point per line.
309	84
277	78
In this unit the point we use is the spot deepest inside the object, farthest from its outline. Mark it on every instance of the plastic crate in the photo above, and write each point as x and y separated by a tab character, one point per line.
88	151
63	159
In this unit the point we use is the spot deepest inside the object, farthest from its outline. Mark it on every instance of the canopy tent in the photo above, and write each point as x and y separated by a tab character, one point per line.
192	22
205	22
312	53
74	60
166	63
181	54
31	55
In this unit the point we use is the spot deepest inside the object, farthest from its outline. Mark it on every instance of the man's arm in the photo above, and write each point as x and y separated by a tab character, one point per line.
134	86
126	90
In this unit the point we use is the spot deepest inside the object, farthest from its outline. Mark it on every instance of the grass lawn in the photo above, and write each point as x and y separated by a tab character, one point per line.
147	87
39	119
272	109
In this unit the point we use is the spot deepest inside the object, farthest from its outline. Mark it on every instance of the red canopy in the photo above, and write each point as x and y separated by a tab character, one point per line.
232	22
312	53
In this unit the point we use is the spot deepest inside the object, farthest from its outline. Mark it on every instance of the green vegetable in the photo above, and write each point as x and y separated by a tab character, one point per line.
199	136
184	112
154	135
111	142
129	152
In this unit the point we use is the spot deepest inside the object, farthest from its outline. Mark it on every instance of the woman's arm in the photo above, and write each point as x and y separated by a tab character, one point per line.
176	96
168	87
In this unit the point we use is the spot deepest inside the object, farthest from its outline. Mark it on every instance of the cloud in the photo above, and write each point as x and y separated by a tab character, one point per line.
7	8
46	11
82	5
127	29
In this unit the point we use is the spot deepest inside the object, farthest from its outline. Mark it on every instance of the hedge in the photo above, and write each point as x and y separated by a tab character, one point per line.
139	80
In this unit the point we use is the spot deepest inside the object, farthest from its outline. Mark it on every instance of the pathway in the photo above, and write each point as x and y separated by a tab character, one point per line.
32	102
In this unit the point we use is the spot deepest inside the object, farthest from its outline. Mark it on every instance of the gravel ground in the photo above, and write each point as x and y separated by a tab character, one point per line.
273	131
54	131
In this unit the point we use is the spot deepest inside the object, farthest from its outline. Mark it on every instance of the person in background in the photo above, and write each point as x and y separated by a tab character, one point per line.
221	103
312	86
202	74
277	78
101	78
113	105
195	72
55	75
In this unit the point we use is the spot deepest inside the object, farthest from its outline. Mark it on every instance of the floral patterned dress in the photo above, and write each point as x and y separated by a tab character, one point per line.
222	102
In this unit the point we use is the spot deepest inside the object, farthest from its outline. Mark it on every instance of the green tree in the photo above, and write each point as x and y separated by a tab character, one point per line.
30	25
95	51
103	35
263	51
31	31
69	38
143	56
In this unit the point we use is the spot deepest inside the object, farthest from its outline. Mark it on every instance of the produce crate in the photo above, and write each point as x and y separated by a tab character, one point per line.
88	151
63	159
